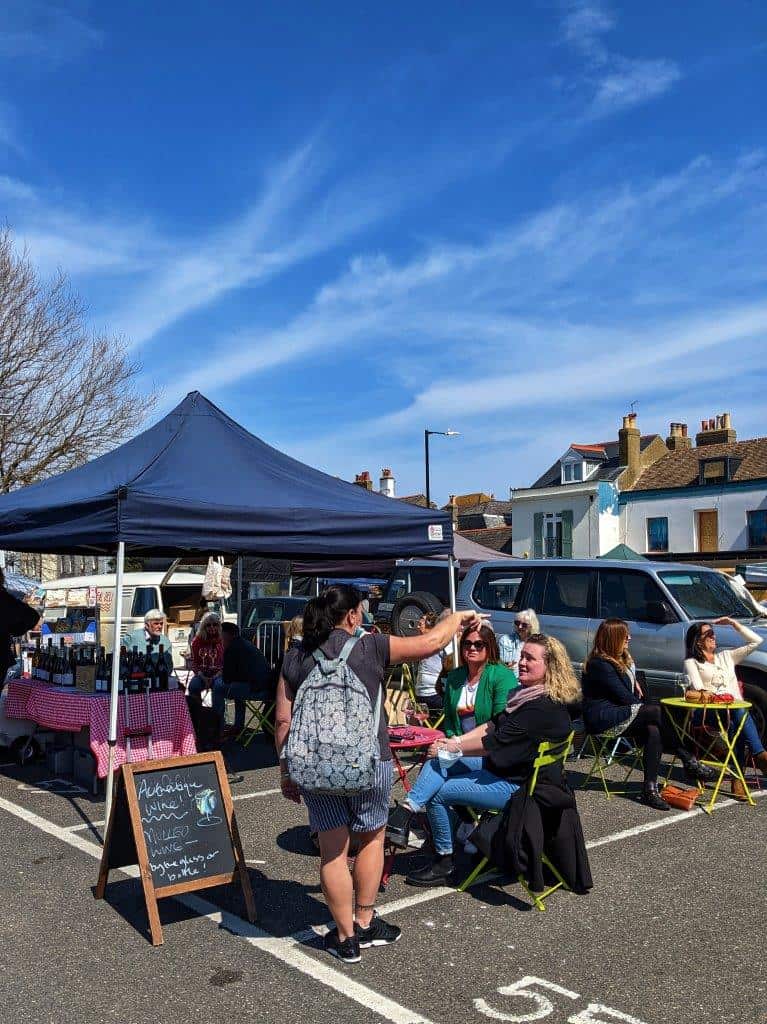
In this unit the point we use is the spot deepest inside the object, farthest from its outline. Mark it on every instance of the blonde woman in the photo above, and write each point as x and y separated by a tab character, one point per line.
535	711
294	634
510	647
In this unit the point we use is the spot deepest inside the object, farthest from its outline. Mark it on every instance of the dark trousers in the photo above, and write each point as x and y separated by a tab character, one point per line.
645	729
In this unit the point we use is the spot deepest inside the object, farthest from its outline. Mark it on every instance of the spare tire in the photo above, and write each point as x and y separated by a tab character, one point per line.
409	609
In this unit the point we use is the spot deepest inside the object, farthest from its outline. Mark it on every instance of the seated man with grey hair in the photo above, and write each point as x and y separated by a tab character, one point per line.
152	635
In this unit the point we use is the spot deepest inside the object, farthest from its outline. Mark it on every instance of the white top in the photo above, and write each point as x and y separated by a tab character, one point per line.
718	676
428	673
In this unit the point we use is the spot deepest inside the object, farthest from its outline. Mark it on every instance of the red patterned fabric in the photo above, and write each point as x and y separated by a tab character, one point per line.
69	711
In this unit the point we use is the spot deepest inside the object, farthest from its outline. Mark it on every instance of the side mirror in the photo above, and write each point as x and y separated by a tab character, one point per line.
660	613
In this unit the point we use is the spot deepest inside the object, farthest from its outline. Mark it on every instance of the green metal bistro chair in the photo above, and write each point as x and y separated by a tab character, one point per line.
606	753
548	754
258	712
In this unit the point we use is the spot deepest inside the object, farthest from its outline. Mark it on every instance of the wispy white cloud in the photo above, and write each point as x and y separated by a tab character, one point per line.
616	82
47	33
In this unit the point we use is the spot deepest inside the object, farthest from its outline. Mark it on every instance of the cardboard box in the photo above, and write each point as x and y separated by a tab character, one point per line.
181	615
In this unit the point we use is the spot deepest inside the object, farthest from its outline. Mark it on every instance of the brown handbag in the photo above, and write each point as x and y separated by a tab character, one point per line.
682	797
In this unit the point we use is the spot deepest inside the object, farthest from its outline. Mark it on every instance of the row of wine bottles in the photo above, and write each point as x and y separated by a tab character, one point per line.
87	664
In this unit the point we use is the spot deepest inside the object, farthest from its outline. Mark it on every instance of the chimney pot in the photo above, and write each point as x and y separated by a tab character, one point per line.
684	429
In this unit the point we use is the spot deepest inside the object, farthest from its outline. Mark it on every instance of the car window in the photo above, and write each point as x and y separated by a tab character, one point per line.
705	595
144	600
396	588
535	588
498	589
627	595
567	592
432	580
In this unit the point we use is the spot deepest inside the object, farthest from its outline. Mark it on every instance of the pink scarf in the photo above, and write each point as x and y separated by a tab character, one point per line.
522	695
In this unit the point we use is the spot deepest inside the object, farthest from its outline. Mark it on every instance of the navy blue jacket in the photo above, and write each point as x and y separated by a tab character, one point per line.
607	695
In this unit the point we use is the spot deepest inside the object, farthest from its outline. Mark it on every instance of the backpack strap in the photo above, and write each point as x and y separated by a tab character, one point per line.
328	664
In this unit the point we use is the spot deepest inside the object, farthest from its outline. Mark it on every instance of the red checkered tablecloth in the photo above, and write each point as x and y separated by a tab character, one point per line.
66	710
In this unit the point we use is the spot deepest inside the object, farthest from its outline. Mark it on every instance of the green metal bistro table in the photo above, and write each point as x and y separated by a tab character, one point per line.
730	765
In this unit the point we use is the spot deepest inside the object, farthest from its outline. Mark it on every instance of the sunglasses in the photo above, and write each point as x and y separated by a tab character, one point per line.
709	635
522	625
478	645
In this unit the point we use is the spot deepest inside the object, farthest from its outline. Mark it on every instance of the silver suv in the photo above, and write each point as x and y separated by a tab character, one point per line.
659	600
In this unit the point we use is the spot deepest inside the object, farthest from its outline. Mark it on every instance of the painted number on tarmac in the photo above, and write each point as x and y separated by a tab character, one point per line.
524	997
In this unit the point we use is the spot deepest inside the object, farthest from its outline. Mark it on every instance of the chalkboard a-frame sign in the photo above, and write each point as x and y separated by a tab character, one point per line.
174	818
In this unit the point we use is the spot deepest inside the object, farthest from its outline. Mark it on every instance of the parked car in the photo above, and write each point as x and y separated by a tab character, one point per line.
413	588
269	609
659	600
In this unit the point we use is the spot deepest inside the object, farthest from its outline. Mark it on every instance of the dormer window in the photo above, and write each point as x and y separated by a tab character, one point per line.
716	471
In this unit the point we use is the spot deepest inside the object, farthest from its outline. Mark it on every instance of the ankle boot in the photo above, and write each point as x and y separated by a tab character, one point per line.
436	873
652	797
738	790
694	771
760	760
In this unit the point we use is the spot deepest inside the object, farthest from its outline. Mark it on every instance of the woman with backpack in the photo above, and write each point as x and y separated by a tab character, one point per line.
333	661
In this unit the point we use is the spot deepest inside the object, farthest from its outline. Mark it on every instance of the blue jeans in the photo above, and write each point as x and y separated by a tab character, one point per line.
221	692
749	733
464	783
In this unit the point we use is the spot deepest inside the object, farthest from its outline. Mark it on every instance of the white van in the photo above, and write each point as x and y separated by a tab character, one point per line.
177	594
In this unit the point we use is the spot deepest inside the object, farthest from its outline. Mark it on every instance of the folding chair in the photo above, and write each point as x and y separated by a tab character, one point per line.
257	711
548	754
599	746
426	715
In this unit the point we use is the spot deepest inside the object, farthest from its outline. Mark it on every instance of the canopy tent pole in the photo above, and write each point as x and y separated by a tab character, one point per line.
451	588
239	591
115	681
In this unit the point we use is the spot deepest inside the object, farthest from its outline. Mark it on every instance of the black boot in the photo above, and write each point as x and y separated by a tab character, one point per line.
694	771
435	873
652	797
398	826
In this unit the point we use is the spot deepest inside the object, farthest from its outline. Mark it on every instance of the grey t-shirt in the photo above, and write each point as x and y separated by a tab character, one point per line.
369	661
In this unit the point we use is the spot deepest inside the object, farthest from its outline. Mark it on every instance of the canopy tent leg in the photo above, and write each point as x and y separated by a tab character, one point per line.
239	591
115	681
451	589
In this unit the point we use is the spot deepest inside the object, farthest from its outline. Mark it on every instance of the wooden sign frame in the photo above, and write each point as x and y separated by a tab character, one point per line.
125	788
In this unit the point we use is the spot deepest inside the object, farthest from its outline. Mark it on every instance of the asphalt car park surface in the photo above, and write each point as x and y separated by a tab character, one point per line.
674	930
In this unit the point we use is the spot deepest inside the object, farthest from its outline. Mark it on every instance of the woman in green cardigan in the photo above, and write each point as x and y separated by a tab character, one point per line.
474	694
476	691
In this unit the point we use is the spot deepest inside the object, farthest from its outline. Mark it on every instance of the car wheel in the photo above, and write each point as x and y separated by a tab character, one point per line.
409	609
758	698
26	749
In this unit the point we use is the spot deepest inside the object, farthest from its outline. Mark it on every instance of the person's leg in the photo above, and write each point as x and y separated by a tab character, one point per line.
238	692
433	776
645	729
335	879
749	734
195	686
478	788
218	699
368	869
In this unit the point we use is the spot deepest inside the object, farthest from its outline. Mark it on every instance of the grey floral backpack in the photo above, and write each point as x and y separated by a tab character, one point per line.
332	746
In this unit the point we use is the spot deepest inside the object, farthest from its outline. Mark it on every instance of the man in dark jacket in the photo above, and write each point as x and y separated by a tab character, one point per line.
16	618
245	673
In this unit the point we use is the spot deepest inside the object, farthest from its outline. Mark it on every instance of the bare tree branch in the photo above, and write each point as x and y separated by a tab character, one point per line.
67	394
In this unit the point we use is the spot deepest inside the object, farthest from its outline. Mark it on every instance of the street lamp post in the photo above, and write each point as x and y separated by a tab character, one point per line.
426	435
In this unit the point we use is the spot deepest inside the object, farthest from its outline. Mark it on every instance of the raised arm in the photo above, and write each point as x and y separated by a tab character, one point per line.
753	640
413	648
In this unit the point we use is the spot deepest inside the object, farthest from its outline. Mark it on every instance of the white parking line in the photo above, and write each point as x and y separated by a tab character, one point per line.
258	792
287	950
84	825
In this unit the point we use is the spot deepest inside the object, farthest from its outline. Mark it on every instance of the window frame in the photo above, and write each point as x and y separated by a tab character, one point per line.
749	514
648	547
479	585
611	571
592	575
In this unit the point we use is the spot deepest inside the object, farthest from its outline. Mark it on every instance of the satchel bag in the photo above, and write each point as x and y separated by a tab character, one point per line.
682	797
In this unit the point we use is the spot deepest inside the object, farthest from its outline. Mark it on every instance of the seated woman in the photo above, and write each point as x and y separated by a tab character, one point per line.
714	671
525	624
613	705
429	669
208	663
508	745
473	694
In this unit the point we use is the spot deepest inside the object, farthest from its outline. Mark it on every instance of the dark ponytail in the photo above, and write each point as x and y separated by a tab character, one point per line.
322	614
692	641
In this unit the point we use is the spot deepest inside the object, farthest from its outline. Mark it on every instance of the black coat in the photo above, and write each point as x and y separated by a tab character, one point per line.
546	822
15	618
607	695
512	746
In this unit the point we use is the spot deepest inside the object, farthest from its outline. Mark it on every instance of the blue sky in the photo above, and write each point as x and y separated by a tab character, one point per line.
344	223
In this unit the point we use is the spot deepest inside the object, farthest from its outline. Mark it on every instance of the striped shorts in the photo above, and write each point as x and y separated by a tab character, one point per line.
363	812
